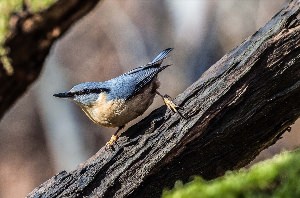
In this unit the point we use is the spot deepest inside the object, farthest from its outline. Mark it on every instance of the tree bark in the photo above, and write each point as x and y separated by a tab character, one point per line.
29	41
240	106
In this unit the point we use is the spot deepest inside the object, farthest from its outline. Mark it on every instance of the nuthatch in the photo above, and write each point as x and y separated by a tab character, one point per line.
116	102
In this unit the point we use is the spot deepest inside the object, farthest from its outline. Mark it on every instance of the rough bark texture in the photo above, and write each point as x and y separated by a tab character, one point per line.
29	41
239	107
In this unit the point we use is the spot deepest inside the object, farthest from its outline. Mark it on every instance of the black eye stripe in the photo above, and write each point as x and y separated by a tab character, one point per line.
88	91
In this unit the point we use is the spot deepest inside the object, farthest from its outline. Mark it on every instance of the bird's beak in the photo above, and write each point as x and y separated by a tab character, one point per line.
64	95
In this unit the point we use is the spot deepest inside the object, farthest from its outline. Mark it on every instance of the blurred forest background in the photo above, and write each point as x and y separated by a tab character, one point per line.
42	135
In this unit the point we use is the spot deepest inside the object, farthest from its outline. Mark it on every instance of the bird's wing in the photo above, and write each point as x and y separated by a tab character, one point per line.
143	75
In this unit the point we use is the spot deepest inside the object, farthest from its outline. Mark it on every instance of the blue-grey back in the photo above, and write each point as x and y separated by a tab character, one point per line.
127	85
130	83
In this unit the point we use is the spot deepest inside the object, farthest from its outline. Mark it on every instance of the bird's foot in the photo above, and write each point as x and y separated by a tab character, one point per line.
114	137
112	140
171	105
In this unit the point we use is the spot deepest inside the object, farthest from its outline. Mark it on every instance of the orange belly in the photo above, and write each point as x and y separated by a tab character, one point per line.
116	113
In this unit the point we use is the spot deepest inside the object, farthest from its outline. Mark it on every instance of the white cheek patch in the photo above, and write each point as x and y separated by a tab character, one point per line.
87	99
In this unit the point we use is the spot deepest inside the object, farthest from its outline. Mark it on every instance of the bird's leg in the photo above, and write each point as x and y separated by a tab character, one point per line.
170	104
114	137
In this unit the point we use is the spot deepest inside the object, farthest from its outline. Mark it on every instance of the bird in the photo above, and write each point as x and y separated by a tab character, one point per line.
115	102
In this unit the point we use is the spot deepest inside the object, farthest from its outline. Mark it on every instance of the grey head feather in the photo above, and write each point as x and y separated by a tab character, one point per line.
85	93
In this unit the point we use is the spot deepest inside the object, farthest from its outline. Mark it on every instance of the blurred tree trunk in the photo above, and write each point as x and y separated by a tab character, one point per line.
25	148
30	38
240	106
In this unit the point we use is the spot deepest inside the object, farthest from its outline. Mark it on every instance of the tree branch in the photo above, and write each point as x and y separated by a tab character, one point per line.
240	106
29	41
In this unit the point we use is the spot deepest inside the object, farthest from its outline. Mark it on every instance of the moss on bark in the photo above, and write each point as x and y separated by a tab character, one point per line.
277	177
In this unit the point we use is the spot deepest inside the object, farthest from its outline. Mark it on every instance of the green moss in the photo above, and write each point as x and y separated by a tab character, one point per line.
278	177
9	6
6	8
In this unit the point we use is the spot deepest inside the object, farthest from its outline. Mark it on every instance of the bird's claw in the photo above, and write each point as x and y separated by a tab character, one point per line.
112	140
172	106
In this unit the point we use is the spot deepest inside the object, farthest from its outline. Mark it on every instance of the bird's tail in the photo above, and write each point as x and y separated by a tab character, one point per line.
160	57
163	67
